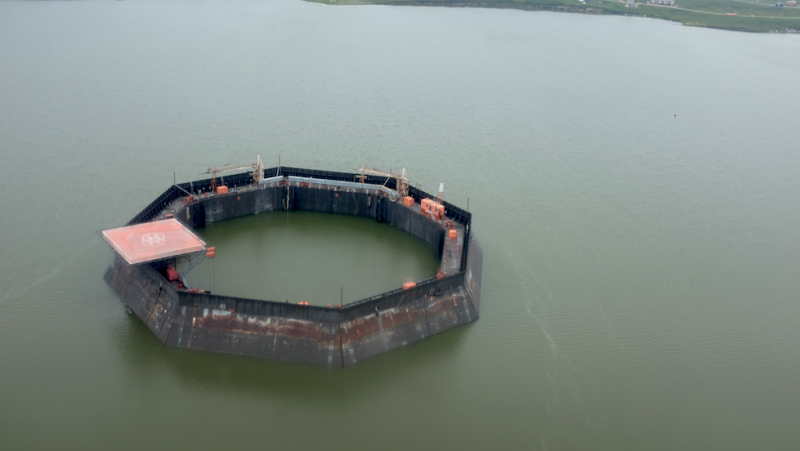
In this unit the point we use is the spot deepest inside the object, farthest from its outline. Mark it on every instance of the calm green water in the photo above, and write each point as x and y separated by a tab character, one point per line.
634	185
314	257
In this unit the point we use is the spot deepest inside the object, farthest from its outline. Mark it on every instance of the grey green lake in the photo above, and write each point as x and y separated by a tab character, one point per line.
634	186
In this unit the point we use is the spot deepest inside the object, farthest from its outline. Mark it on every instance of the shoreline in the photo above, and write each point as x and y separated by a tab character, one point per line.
687	17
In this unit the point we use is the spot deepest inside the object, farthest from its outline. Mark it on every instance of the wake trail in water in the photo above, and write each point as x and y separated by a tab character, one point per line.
554	348
54	272
598	258
556	351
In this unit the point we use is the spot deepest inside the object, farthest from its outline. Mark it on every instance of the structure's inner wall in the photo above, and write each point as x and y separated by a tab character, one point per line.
208	210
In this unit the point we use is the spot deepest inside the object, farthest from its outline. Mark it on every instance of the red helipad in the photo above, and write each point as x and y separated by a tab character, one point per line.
151	241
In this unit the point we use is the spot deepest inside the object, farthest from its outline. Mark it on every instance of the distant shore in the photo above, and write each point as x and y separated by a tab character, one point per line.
733	15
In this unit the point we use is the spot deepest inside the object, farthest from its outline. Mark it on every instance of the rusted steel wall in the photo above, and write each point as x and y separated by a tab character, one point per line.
290	332
255	328
318	335
403	317
146	293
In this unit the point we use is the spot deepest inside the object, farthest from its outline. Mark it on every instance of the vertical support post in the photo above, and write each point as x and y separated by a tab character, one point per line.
465	243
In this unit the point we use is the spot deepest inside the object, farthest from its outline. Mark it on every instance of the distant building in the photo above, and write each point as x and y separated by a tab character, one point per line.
791	3
629	4
664	2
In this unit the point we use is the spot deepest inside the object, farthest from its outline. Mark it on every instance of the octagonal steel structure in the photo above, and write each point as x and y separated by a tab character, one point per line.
337	336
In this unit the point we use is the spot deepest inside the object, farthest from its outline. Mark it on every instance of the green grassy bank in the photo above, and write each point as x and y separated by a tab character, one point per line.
751	16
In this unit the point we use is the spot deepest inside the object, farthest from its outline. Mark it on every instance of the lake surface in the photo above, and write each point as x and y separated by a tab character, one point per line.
633	183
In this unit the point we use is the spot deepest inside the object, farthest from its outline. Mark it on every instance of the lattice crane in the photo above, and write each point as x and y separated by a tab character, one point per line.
401	178
258	171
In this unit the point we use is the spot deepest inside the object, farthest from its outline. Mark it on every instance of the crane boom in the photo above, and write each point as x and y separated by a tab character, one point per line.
228	168
401	178
258	171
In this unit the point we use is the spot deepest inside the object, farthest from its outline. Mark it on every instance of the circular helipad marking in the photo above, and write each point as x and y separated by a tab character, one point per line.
153	239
